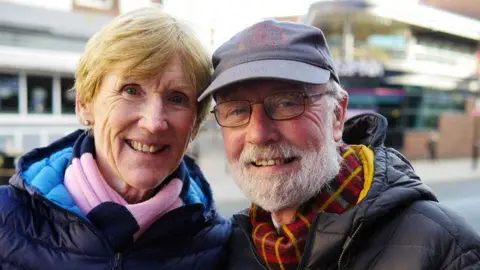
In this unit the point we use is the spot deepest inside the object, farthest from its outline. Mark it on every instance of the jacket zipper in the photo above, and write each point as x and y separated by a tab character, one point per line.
116	261
347	244
60	209
252	247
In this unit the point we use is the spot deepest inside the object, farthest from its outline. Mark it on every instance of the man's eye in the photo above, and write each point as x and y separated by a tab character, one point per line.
286	103
238	111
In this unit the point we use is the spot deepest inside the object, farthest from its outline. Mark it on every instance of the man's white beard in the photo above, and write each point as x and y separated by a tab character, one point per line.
276	191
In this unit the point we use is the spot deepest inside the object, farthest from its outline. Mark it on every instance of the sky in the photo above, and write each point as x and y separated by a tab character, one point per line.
226	17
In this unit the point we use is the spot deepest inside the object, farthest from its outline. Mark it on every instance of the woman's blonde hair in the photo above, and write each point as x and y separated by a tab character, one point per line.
139	44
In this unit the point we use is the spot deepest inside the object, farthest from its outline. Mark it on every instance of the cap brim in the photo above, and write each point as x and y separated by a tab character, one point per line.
269	69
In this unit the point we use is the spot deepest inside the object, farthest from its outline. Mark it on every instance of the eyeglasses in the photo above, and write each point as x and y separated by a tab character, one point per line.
278	107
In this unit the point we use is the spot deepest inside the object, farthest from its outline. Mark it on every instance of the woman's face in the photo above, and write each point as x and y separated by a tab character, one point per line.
142	127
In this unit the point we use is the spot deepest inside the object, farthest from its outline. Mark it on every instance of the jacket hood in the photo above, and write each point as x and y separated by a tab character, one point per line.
41	171
395	182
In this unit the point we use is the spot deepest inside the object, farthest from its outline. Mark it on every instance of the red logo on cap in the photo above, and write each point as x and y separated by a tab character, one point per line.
263	35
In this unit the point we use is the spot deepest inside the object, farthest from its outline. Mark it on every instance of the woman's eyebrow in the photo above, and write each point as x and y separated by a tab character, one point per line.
178	85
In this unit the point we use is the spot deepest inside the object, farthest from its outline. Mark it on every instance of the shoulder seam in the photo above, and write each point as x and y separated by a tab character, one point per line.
452	235
459	256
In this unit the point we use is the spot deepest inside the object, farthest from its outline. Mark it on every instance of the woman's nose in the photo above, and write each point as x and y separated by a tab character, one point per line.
154	118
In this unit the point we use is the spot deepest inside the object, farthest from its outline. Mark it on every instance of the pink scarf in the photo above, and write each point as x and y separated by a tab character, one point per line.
89	189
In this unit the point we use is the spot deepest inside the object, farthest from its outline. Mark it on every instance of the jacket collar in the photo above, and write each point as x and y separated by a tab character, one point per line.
41	172
369	129
395	184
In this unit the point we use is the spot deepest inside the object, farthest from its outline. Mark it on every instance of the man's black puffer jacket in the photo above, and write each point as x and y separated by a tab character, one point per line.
399	225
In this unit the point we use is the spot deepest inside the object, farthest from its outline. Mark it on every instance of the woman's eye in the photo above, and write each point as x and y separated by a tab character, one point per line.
179	99
130	90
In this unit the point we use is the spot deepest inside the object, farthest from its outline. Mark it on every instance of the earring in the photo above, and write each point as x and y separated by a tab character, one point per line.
86	123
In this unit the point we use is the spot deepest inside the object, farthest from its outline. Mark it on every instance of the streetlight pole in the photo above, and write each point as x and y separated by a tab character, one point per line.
475	136
475	144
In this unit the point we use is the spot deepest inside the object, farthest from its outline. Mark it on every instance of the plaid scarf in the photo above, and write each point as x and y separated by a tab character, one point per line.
283	249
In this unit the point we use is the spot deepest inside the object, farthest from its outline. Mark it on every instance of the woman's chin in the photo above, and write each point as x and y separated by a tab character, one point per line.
145	180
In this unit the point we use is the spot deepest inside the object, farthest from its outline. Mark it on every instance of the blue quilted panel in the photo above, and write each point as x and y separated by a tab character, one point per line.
47	176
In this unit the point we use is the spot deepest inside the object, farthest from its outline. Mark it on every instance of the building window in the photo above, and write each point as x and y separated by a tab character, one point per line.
9	93
30	141
68	95
6	143
39	94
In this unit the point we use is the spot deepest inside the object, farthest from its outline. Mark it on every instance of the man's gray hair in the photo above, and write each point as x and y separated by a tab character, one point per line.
336	94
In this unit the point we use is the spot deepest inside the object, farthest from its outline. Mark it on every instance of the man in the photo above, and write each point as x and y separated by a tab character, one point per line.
326	194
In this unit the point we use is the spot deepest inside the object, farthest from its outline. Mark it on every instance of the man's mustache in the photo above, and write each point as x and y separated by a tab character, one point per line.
254	153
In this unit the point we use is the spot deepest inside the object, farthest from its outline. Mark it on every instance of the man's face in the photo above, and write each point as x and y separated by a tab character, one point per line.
281	164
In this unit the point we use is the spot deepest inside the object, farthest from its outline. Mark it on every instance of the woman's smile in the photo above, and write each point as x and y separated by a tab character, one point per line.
146	148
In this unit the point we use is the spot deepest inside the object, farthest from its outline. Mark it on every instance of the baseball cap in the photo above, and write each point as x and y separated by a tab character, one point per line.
273	50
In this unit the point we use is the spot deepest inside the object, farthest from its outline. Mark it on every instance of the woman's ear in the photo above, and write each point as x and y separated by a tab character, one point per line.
83	112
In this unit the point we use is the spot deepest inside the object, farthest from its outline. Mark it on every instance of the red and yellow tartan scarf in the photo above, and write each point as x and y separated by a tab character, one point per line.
283	249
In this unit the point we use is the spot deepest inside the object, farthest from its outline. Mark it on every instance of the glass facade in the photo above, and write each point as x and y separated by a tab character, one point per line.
39	90
9	88
423	106
375	38
39	93
68	95
406	107
397	86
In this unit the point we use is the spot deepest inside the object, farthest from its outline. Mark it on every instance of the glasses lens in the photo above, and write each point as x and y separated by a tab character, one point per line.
285	106
233	113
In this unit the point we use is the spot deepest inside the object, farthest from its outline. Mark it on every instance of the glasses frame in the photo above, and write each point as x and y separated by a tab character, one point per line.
251	103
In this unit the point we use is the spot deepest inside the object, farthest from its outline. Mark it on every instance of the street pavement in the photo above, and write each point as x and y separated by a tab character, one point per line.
454	181
461	196
446	170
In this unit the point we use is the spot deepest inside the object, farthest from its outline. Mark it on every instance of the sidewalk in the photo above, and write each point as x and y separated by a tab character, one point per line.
446	170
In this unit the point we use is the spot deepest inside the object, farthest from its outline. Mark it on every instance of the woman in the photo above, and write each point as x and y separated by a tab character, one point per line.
121	195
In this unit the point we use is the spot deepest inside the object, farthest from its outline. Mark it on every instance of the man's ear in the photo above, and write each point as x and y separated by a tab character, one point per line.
340	114
83	111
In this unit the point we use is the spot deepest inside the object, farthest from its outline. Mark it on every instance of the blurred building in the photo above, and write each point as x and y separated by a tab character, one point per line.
413	63
40	45
470	8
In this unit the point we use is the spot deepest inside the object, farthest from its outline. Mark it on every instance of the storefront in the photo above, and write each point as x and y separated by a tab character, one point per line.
393	60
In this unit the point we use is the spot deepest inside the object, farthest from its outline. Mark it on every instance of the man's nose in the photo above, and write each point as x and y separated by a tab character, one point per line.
261	129
154	118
